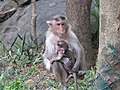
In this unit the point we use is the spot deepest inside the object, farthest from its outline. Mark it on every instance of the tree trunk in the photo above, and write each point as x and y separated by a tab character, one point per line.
108	77
33	21
78	13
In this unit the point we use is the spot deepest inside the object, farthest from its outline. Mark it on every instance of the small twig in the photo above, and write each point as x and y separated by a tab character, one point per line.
10	10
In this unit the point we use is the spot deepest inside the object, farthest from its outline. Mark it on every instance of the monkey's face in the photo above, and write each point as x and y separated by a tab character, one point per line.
61	50
58	27
62	46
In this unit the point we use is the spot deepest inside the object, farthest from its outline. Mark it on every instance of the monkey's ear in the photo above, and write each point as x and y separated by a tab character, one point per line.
49	23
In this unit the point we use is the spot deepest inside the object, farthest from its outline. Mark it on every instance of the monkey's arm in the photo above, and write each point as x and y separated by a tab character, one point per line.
78	51
57	58
49	50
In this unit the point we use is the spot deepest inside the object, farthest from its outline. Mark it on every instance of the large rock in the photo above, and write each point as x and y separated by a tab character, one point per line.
21	20
20	2
6	5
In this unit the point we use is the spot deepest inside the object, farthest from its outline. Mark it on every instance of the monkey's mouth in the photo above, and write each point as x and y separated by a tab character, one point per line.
61	34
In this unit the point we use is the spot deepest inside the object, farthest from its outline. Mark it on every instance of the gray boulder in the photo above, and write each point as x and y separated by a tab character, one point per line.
21	20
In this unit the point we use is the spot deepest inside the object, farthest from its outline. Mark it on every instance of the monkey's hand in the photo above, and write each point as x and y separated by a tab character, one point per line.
51	61
76	67
55	59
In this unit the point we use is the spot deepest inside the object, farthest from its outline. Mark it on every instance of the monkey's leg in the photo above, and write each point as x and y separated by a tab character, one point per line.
75	81
69	77
60	74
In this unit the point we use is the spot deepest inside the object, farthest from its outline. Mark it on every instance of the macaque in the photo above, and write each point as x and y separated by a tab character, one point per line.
63	52
59	29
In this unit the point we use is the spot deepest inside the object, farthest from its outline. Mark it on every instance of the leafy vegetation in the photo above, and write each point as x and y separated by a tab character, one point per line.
14	61
22	68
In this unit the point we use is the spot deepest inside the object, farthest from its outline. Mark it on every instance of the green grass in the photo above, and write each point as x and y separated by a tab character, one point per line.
22	69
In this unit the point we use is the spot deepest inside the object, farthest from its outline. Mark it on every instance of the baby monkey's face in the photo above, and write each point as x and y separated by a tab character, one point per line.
62	47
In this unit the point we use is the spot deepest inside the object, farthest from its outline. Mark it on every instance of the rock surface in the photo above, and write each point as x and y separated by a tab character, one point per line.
20	21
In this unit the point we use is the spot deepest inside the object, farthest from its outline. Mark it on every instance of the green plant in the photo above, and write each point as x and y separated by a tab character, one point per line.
22	53
1	81
87	83
14	60
95	16
17	84
19	64
19	80
53	84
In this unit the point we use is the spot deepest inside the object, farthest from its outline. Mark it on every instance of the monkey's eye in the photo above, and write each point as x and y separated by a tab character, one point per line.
58	24
63	24
59	44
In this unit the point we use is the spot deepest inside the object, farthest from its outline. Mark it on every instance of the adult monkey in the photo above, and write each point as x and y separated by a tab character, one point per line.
59	29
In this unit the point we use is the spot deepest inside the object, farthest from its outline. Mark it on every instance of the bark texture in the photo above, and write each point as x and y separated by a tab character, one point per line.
109	46
33	22
78	13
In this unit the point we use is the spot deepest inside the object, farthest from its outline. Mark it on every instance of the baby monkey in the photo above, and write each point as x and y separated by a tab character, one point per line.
66	57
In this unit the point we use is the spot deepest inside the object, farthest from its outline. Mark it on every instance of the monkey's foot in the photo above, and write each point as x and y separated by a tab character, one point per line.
81	74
